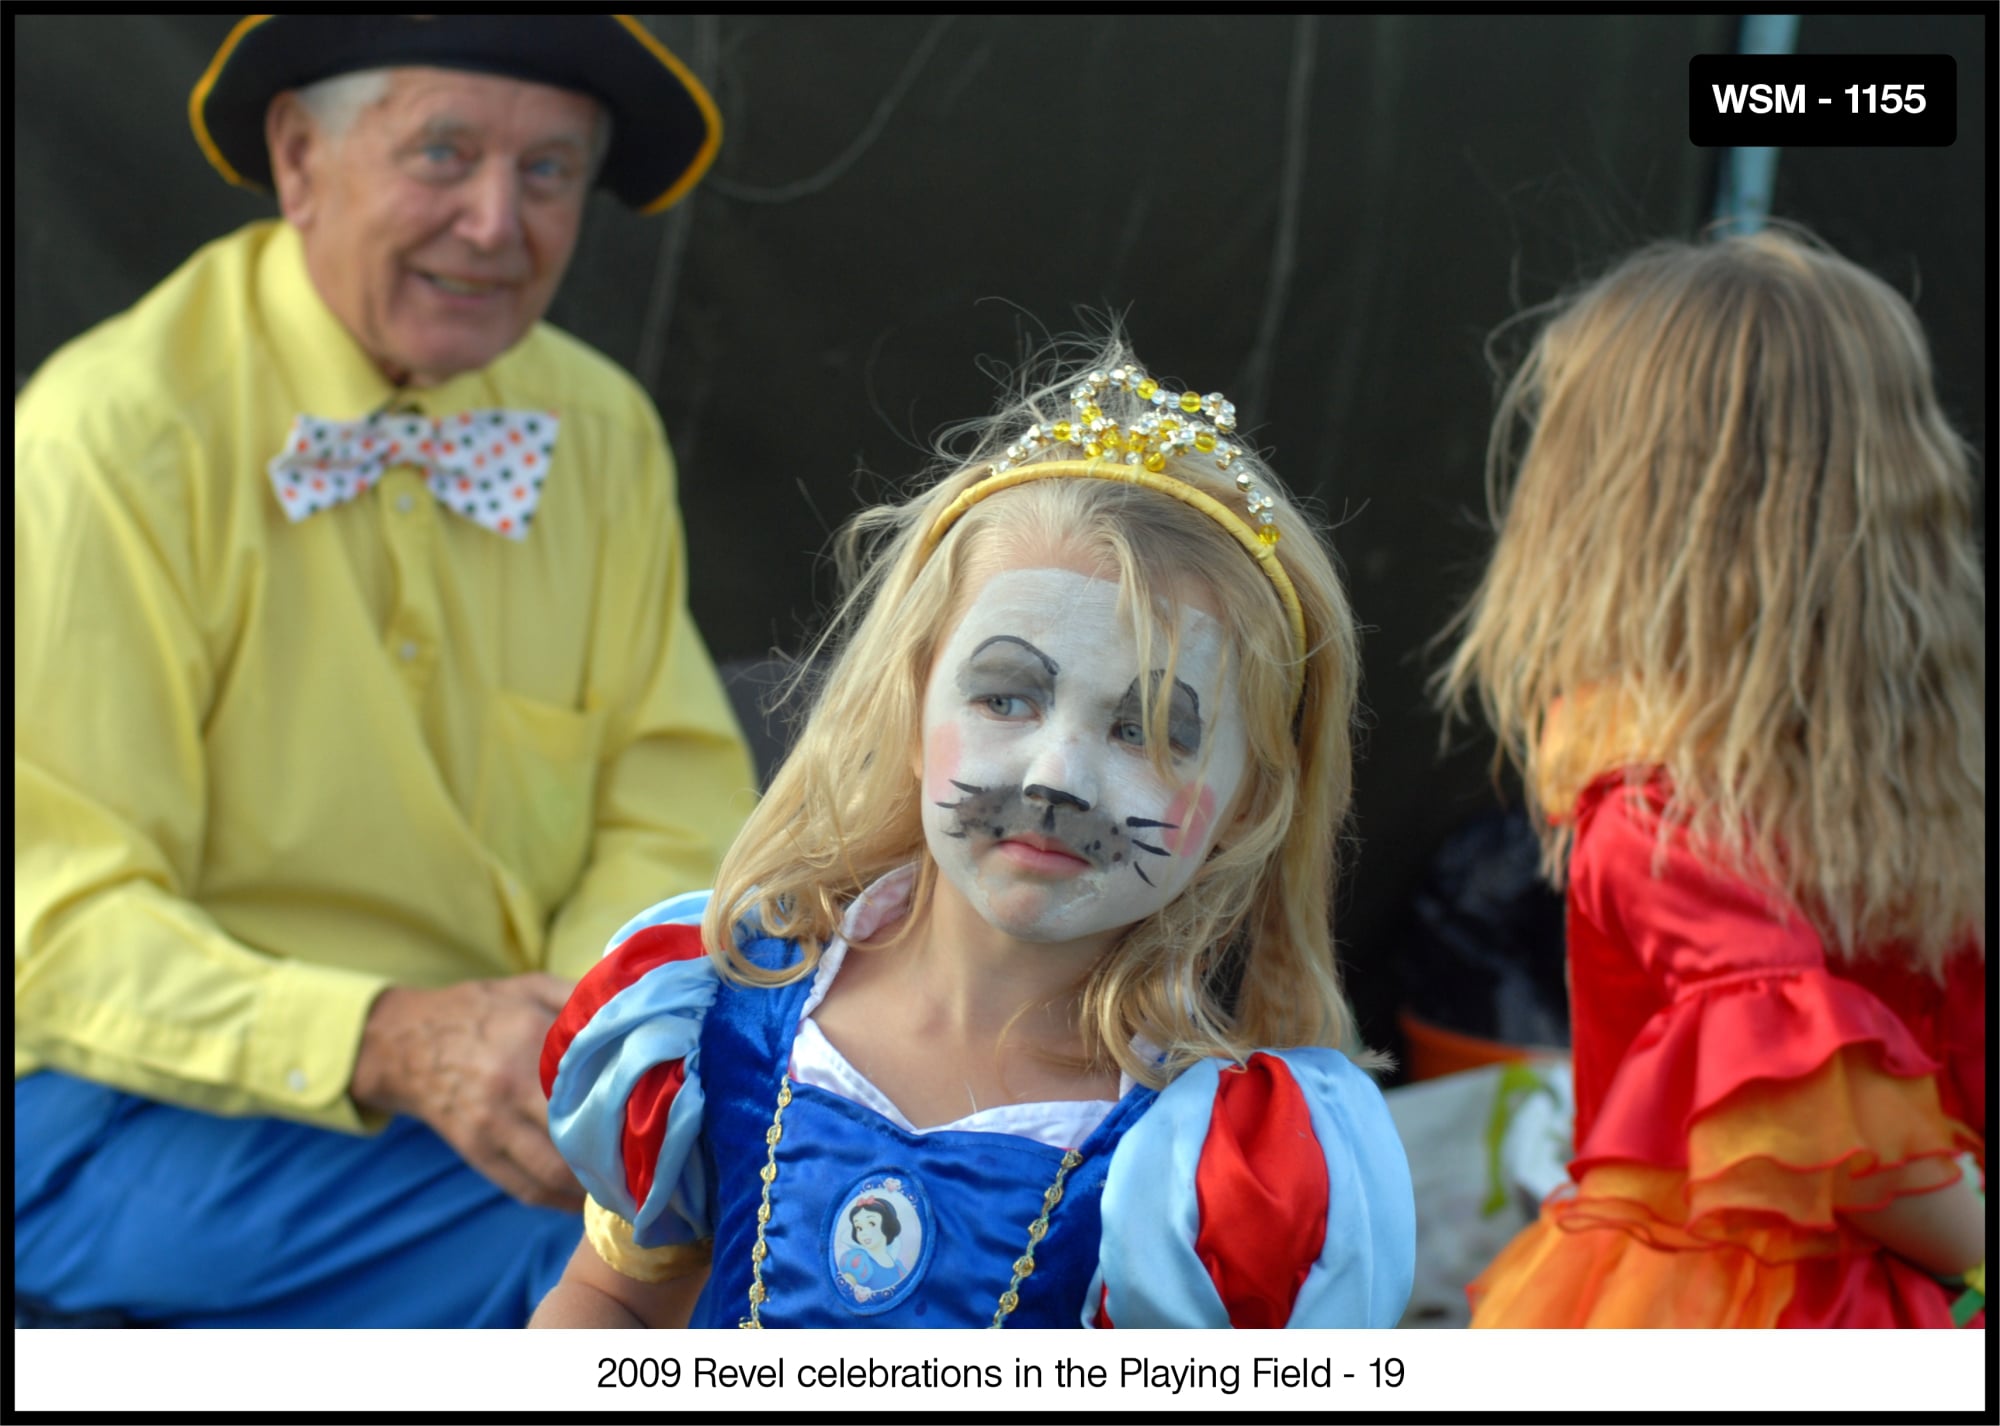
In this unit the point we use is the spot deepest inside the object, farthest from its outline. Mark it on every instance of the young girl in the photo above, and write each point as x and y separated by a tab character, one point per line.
1732	635
1026	952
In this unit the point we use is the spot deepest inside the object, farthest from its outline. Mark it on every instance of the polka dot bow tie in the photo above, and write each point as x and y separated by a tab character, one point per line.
485	465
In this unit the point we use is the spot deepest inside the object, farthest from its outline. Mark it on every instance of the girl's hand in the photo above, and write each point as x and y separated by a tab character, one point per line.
592	1293
1943	1232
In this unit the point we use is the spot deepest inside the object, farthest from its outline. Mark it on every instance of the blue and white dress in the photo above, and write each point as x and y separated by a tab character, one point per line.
1270	1194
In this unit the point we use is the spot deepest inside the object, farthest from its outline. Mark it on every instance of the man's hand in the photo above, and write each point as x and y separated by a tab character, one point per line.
463	1058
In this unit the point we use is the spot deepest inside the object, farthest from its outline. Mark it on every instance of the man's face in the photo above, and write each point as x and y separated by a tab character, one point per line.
438	227
1041	804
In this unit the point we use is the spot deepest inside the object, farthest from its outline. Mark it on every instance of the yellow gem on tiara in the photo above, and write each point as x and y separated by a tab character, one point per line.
1152	438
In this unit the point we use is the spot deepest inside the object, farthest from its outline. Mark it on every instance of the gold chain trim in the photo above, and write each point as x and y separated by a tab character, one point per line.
769	1174
1037	1230
1023	1265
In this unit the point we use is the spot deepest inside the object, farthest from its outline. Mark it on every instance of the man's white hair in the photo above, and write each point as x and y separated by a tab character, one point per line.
335	103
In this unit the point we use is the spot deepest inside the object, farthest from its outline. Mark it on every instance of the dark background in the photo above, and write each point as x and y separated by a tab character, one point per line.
1322	217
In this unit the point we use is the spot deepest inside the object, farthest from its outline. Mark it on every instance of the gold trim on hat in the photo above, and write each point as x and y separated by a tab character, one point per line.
697	167
711	118
198	103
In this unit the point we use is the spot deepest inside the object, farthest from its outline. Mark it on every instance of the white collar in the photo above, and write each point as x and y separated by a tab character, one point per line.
1061	1123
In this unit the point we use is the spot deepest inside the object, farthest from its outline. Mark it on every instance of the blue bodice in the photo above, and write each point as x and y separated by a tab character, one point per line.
950	1209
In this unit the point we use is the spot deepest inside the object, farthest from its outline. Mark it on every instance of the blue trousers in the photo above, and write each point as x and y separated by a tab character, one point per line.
129	1208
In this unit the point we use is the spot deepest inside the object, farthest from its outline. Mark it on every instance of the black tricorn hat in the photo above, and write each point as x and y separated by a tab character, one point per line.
665	129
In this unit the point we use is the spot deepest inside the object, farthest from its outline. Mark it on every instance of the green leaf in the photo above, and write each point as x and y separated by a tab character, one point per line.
1518	1081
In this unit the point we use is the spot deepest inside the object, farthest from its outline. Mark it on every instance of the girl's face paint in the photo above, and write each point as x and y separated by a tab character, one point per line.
1041	805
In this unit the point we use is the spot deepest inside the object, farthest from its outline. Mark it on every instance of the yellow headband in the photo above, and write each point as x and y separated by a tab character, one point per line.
1261	549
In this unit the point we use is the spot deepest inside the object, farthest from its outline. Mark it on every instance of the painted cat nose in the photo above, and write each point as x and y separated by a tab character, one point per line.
1053	797
1061	773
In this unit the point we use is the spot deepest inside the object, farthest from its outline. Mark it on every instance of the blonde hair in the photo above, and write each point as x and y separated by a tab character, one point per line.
1738	546
1244	957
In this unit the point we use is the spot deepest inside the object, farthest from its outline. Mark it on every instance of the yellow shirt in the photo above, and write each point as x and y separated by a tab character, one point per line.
263	770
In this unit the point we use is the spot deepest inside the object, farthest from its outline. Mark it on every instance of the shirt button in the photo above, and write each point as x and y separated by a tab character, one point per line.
296	1081
405	504
407	652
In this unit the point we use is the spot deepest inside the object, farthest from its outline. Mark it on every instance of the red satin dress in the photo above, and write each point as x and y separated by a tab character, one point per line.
1736	1088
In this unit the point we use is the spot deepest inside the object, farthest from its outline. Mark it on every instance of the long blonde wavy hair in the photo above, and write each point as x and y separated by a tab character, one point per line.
1738	546
1244	957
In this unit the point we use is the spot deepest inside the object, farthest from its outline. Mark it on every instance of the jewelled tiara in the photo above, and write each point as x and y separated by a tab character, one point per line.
1180	425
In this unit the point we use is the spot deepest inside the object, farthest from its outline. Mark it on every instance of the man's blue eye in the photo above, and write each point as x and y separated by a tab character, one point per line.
440	153
549	168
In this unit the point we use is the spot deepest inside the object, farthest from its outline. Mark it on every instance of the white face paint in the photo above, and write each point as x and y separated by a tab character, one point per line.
1041	805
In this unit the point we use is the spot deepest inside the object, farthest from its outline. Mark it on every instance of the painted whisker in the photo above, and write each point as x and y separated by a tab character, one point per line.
970	792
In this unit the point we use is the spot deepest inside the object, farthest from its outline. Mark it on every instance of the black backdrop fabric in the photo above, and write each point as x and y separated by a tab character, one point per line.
1324	217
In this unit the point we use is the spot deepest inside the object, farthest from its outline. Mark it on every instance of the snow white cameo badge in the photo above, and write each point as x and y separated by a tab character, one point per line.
879	1241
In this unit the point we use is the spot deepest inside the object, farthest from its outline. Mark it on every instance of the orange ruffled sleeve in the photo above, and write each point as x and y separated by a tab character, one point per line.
1771	1170
1736	1095
1769	1094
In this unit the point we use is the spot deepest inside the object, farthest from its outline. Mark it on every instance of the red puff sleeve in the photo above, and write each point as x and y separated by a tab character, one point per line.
1261	1191
651	1099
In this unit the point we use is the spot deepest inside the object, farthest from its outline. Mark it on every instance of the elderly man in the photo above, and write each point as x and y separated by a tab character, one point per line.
356	702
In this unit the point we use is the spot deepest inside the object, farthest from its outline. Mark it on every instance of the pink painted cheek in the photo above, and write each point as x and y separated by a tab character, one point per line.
1194	808
942	756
